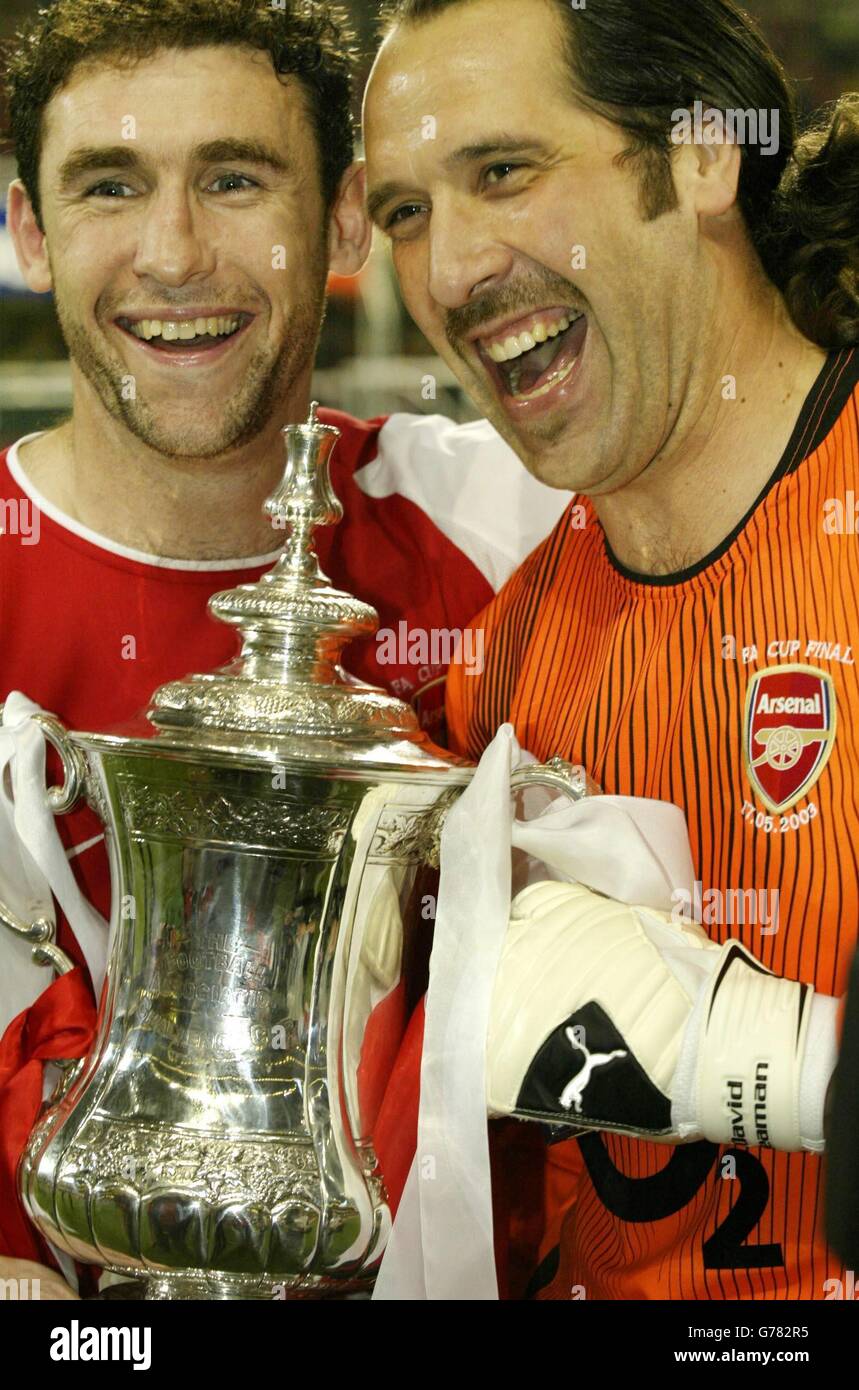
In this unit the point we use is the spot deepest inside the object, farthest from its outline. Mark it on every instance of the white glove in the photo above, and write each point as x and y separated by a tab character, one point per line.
621	1018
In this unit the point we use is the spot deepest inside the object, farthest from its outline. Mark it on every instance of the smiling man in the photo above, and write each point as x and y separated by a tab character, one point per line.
668	328
186	184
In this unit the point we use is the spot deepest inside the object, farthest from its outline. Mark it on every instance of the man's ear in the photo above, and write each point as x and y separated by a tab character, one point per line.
351	231
31	250
710	175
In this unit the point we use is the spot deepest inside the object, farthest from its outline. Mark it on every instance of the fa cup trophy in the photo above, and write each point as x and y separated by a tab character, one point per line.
272	829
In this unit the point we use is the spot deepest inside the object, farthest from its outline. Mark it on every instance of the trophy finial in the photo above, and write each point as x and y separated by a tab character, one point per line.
293	624
304	498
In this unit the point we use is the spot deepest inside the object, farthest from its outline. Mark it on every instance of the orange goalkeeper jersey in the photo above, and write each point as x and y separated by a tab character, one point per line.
730	689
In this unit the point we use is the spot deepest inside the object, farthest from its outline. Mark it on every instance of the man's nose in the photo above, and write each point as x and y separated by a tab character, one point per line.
173	245
464	254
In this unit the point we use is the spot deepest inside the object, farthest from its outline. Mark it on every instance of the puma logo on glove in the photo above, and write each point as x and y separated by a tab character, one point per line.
571	1096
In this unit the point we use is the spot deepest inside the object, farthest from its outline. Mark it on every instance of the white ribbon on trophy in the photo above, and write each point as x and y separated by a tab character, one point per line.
34	864
635	850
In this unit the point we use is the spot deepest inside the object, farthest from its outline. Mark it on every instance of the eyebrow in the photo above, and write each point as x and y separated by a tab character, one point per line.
499	144
494	144
91	158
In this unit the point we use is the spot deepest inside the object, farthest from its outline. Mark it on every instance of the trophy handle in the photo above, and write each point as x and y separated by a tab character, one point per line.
556	774
40	931
62	799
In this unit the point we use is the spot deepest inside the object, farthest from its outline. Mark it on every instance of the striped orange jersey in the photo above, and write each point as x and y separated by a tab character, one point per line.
730	689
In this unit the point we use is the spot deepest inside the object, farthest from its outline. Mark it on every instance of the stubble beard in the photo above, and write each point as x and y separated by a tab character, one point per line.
262	393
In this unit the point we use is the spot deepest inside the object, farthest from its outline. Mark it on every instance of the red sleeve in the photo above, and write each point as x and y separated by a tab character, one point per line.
395	1135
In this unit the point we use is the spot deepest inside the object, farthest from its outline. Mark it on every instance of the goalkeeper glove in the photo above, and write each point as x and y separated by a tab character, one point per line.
622	1018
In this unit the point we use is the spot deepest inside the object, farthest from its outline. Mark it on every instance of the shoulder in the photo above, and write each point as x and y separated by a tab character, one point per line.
827	427
469	482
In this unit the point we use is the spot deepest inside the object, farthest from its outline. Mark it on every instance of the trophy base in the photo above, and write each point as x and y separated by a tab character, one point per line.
184	1288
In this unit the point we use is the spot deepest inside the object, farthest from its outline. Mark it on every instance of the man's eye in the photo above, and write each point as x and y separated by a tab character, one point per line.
402	214
239	183
506	167
101	190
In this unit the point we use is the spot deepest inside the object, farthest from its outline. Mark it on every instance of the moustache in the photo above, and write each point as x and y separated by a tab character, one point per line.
507	300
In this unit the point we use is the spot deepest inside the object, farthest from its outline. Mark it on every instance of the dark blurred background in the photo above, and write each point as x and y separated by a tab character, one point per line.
372	358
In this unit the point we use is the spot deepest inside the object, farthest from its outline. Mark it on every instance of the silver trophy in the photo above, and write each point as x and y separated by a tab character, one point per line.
273	830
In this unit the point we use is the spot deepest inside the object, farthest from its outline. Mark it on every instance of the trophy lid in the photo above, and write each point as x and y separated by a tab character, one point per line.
287	684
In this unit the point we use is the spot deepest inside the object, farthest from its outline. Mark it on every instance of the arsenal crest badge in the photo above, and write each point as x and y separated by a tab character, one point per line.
789	730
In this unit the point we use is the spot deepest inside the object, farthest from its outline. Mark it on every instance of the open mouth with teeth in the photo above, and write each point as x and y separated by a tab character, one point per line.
530	363
185	335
